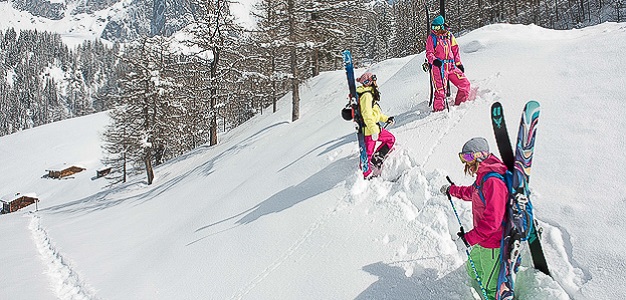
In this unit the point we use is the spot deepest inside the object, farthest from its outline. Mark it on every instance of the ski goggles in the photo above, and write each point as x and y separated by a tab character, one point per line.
437	27
369	80
470	157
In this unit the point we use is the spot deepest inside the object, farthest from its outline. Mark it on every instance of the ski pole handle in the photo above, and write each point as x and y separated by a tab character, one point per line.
448	192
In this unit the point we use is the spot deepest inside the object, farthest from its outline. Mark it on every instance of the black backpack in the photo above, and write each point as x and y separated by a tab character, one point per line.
350	110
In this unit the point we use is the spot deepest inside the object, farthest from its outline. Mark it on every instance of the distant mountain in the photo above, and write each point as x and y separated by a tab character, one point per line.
159	17
41	8
120	20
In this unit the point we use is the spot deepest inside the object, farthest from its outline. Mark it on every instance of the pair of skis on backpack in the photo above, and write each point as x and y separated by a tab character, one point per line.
521	224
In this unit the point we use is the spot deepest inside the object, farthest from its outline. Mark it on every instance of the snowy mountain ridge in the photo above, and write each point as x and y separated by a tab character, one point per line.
111	20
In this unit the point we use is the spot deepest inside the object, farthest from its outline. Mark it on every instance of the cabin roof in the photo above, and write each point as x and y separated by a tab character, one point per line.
10	197
63	166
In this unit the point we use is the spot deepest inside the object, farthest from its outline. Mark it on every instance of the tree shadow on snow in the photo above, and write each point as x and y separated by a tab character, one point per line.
107	198
422	284
320	182
330	146
416	113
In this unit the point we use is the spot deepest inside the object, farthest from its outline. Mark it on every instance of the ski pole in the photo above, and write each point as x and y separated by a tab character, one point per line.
467	249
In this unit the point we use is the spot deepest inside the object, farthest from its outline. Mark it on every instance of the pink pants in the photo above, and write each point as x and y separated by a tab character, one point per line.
385	138
457	78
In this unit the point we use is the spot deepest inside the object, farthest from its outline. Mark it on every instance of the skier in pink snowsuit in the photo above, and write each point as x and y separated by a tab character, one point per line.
442	53
489	199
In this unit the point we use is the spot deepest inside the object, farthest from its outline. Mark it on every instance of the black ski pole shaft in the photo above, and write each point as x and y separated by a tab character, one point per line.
442	8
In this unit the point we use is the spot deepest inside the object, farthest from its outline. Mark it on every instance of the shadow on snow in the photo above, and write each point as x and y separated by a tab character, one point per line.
422	284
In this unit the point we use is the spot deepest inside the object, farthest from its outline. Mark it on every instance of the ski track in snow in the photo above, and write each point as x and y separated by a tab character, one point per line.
456	119
456	115
288	253
65	282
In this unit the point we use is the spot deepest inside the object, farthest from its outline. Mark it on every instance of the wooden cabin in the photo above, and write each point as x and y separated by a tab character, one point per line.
103	172
64	171
12	203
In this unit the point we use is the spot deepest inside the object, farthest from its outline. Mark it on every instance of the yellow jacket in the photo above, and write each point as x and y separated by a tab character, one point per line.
370	111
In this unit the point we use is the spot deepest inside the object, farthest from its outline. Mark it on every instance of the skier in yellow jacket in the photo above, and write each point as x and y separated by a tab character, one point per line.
372	115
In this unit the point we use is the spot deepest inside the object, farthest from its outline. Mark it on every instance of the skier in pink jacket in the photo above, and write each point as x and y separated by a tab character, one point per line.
442	53
489	199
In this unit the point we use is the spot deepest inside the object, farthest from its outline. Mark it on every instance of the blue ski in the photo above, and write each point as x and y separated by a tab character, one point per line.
354	100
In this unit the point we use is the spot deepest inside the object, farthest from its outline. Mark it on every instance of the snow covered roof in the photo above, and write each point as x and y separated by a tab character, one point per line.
11	197
63	166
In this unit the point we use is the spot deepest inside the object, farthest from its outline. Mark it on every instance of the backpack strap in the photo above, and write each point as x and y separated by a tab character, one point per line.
435	39
375	94
487	176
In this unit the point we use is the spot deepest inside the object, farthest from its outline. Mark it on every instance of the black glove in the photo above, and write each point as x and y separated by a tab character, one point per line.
461	234
437	63
461	68
445	189
390	121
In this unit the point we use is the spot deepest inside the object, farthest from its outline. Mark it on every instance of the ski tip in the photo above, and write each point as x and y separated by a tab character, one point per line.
532	107
347	57
532	103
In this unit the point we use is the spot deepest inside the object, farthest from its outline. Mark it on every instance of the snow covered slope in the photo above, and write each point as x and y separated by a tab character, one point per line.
277	210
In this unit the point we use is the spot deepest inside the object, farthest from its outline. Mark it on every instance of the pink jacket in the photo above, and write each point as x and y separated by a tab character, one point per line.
488	217
446	49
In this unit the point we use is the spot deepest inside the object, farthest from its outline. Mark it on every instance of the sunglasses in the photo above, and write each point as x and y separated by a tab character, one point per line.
437	27
368	81
470	157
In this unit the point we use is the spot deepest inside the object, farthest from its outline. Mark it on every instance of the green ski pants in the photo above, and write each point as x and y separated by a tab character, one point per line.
487	262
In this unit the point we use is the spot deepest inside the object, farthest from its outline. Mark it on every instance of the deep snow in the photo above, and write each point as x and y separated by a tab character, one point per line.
277	210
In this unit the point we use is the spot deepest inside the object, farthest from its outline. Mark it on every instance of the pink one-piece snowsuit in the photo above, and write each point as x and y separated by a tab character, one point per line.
447	51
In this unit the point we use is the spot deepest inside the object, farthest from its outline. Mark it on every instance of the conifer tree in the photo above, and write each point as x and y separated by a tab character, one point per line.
216	33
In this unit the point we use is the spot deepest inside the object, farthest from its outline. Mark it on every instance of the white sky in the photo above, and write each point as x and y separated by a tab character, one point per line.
277	210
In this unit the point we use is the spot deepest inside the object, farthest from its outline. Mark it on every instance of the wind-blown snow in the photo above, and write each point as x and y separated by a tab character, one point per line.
278	210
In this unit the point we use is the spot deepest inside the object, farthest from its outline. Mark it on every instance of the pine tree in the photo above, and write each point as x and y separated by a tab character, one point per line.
270	43
121	143
216	32
139	100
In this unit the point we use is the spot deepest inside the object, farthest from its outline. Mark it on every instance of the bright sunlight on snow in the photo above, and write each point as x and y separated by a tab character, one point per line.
278	209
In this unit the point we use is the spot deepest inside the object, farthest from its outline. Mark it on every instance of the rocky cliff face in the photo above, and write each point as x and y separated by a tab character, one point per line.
89	6
149	18
129	24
